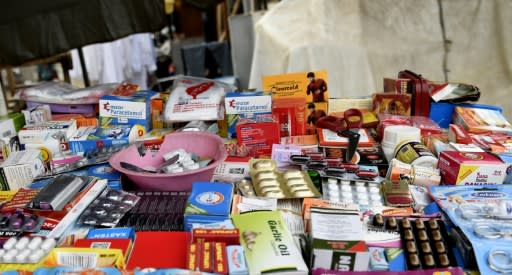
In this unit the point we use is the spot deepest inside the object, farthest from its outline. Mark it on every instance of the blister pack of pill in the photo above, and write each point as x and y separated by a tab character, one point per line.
359	192
26	250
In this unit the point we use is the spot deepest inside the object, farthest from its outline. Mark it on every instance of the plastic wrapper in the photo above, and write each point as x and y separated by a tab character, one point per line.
64	93
195	98
109	208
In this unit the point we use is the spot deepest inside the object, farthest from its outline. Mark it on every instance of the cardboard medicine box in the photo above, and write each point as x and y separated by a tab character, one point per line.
246	107
471	168
127	110
208	202
87	139
20	168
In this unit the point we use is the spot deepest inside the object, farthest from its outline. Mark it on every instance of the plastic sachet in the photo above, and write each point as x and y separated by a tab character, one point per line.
194	98
65	93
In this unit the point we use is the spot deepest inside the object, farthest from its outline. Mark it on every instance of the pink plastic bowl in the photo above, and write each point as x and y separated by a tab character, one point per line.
200	143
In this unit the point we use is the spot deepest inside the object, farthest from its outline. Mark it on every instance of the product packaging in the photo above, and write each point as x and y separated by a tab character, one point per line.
246	107
37	115
20	168
64	93
209	202
127	110
473	168
290	113
194	98
94	258
109	208
86	139
268	244
336	240
394	104
59	131
479	120
397	85
258	137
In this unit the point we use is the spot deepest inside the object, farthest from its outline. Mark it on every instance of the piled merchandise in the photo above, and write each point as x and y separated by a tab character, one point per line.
205	179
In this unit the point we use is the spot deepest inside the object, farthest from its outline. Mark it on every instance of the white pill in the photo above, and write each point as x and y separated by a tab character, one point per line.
346	195
36	256
332	181
9	256
346	188
360	183
334	199
22	243
362	196
347	200
35	243
374	189
188	162
376	203
363	202
333	193
332	186
361	189
22	256
345	182
375	197
2	252
48	244
10	243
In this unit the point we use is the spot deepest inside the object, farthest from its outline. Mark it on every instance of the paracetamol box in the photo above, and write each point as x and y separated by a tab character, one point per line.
471	168
127	110
246	107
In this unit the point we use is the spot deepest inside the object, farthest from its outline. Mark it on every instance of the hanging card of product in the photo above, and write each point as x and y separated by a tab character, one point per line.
40	133
195	98
482	214
268	244
258	136
311	86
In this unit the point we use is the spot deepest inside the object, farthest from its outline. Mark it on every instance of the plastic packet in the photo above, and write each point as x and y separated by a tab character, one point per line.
20	222
64	93
194	98
109	208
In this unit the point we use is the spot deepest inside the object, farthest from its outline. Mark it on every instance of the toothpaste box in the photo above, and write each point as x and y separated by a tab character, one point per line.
86	139
471	168
127	110
208	202
246	107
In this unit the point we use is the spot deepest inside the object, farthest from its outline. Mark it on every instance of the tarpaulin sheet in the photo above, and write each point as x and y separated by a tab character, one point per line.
33	29
361	41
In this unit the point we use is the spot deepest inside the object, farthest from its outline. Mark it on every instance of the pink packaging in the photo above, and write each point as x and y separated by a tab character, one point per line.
475	168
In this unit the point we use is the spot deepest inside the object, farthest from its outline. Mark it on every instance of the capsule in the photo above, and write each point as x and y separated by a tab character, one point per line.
292	174
378	220
406	224
436	235
270	188
274	194
35	243
391	224
349	167
267	183
432	223
422	235
408	235
410	246
265	175
300	159
367	174
303	194
429	261
295	182
440	248
419	224
444	261
425	247
414	261
264	165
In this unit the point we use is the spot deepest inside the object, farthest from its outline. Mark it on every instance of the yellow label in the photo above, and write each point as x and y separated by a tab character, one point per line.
46	155
294	85
465	171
